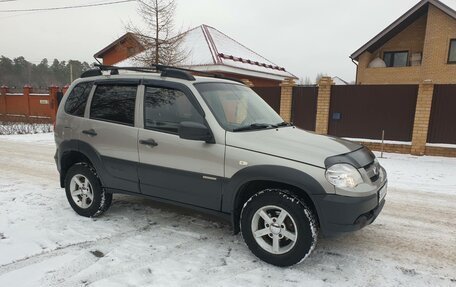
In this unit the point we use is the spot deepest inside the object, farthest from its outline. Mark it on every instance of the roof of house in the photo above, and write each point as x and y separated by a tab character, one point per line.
447	6
211	50
339	81
126	36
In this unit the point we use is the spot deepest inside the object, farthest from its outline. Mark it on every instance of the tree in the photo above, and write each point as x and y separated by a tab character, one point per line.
162	44
18	72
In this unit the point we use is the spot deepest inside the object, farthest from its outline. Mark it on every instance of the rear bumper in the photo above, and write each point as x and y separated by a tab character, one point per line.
343	213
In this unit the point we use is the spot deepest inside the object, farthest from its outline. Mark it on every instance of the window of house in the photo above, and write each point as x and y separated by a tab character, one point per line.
452	52
76	102
114	103
165	109
396	59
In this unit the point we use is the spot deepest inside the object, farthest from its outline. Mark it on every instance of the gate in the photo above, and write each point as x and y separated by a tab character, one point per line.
304	108
363	111
442	123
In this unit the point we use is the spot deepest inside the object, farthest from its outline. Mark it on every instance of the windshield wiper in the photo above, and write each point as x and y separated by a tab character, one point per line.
284	124
255	126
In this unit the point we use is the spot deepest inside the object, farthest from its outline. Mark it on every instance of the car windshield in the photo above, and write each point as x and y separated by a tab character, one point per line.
237	107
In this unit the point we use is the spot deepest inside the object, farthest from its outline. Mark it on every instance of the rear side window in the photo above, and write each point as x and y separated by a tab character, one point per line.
165	109
114	103
76	101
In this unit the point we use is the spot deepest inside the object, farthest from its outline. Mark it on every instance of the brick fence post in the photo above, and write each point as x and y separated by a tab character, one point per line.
65	88
27	92
422	116
323	103
286	98
3	92
53	102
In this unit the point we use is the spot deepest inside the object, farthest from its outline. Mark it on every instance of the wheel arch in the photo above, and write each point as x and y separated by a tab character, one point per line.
251	180
75	152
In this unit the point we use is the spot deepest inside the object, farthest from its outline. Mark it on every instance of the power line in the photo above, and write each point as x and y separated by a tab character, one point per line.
63	7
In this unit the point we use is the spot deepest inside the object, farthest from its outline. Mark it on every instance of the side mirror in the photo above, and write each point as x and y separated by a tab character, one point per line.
195	131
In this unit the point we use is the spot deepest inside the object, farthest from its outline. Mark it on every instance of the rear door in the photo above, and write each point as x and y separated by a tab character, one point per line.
110	130
172	168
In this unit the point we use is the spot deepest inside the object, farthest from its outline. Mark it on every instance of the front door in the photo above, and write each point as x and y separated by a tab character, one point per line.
172	168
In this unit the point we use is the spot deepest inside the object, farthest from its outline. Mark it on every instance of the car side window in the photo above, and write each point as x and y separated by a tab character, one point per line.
165	109
114	103
77	100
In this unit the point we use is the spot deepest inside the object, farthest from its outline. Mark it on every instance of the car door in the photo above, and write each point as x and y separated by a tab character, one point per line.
172	168
110	133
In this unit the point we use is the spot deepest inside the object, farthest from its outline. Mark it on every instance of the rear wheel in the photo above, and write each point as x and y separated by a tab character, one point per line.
278	228
84	191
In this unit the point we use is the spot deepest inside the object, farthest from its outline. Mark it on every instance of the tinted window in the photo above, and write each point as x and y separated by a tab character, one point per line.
76	101
114	104
452	52
395	59
165	109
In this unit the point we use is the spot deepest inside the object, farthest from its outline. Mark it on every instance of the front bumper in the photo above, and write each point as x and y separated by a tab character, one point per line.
344	213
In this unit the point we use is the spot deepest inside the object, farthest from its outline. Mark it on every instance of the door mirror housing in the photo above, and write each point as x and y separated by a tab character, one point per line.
195	131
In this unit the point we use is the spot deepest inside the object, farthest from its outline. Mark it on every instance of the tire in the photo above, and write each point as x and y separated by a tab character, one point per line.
88	197
283	239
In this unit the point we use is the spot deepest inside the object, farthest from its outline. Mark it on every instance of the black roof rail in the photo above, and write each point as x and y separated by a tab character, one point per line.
166	71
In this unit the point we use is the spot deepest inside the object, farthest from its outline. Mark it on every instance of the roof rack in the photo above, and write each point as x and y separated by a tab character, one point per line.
166	71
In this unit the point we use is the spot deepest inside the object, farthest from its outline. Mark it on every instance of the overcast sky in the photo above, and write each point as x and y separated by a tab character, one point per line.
305	37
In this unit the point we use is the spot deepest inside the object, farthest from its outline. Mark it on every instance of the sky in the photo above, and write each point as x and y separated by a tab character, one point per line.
305	37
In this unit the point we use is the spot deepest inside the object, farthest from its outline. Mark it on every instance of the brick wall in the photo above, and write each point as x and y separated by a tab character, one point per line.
286	99
323	102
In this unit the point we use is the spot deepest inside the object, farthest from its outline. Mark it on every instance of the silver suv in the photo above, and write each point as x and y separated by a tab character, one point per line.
212	144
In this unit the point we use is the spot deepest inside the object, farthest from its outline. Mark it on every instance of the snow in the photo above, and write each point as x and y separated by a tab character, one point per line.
426	173
441	145
378	141
139	242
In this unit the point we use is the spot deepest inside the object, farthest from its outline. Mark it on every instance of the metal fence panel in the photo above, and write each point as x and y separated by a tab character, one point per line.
304	111
442	125
271	95
363	111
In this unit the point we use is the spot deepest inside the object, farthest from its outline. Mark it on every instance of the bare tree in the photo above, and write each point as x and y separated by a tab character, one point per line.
163	45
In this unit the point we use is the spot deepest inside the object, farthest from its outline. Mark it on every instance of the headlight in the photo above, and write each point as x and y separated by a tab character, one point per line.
343	175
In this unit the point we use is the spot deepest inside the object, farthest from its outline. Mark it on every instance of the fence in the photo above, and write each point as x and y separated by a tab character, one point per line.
270	95
365	111
304	107
419	119
442	125
28	106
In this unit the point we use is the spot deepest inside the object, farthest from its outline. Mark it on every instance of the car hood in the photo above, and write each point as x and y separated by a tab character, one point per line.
291	143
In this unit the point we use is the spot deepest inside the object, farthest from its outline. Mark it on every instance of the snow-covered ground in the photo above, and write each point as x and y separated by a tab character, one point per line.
142	243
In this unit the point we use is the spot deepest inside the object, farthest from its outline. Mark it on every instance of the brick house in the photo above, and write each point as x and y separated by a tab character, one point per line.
209	50
419	46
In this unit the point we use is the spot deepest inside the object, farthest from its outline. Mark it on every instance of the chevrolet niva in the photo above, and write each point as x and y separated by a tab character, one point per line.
214	145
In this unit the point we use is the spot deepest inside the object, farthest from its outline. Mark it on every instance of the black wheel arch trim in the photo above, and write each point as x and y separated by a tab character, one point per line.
83	148
232	189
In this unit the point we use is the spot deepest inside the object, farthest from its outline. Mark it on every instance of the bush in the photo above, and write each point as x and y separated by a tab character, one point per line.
9	128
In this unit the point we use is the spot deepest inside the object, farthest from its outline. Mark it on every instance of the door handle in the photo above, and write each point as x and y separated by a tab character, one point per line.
90	132
149	142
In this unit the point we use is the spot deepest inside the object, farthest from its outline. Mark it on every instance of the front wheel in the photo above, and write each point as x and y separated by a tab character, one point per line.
84	191
278	228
